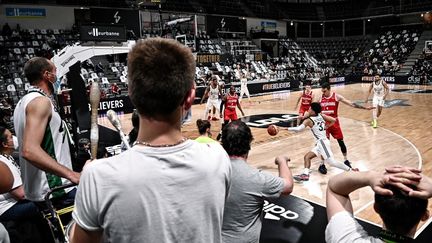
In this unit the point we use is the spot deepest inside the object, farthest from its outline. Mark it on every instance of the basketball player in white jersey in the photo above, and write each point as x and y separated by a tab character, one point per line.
381	90
214	92
318	123
243	87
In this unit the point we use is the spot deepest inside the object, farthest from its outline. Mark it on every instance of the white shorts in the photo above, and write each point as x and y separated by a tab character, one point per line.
213	103
322	147
378	101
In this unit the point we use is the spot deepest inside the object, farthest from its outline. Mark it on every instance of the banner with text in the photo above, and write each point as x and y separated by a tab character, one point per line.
101	32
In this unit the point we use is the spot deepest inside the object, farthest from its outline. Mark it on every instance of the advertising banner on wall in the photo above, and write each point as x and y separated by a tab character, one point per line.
103	32
221	23
129	18
25	12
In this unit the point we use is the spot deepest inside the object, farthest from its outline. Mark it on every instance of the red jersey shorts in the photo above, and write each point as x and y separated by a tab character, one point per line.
335	131
303	109
230	115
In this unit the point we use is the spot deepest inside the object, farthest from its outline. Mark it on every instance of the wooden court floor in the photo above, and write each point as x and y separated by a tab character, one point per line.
404	137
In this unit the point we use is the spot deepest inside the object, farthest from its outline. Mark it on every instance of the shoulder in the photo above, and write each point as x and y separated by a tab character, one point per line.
343	227
39	103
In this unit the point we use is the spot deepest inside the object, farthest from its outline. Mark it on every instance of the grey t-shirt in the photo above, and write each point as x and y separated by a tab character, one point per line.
169	194
249	188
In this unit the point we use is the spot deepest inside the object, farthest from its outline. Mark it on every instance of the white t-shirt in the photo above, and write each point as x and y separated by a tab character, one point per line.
6	199
343	228
147	194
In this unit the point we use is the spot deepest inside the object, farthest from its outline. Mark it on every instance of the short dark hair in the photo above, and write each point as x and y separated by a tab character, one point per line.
316	107
400	212
325	85
202	125
35	67
236	138
161	72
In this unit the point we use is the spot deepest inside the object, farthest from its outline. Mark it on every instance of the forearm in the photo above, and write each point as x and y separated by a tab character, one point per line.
345	183
39	158
297	128
285	173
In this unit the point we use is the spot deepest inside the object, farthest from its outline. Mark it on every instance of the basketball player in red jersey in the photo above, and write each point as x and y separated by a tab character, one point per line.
330	103
306	99
230	101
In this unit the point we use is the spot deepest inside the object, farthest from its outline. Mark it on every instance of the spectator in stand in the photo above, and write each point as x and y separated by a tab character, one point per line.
6	183
115	90
6	31
13	205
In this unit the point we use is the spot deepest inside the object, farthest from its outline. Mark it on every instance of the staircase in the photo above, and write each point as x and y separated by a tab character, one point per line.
415	54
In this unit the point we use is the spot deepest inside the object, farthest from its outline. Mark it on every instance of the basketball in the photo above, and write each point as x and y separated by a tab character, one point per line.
272	130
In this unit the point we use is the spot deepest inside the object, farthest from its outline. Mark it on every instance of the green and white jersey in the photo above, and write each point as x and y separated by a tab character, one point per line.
37	182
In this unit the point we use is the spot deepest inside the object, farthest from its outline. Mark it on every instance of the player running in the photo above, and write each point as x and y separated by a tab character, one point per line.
381	90
229	102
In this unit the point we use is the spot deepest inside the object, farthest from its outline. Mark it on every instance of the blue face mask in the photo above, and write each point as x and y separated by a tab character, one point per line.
56	85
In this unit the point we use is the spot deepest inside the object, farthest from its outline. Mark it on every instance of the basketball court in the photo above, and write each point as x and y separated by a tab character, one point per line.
403	137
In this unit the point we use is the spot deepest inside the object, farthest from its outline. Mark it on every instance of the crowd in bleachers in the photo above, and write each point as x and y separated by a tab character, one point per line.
423	67
388	52
340	53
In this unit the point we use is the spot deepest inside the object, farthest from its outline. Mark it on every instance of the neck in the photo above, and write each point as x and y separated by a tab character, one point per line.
409	234
44	87
160	132
7	151
240	157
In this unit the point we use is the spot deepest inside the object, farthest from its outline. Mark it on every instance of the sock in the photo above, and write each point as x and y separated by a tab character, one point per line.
306	171
345	157
374	114
322	162
337	164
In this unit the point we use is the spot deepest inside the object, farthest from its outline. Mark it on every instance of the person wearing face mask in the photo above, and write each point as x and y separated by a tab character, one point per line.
43	136
13	205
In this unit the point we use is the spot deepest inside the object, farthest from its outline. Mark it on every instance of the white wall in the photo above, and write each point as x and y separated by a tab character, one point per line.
254	22
56	17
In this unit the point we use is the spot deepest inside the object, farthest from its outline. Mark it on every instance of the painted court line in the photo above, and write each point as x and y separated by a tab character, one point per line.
420	164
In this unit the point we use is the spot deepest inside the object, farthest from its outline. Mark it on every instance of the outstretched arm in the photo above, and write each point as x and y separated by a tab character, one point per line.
305	123
352	104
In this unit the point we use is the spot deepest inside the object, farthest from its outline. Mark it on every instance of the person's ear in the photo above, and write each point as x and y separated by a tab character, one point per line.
189	99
